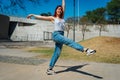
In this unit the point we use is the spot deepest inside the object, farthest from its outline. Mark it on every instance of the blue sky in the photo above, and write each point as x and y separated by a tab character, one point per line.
81	7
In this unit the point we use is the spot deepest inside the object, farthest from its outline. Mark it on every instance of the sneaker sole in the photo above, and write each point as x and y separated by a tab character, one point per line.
93	52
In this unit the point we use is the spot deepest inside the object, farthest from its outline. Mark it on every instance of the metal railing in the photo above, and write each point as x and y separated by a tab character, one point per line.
47	35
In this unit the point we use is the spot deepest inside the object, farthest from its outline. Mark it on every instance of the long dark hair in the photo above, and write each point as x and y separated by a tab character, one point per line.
62	14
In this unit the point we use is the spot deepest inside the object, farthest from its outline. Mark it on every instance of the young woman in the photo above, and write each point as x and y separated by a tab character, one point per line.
58	35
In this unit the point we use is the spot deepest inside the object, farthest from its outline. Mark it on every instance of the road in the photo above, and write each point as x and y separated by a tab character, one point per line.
65	69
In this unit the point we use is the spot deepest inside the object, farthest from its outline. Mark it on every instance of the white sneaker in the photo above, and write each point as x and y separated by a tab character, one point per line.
50	72
90	51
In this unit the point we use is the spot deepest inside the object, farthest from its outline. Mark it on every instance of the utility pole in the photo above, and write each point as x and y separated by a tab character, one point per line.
74	21
78	14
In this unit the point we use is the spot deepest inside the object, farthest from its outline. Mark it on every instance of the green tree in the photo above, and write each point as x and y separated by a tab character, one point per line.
96	16
84	22
70	20
46	14
113	9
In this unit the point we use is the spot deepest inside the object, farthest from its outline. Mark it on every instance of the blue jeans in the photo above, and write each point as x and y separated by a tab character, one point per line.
60	39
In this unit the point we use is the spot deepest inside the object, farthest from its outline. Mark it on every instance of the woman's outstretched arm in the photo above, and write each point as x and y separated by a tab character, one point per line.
63	5
49	18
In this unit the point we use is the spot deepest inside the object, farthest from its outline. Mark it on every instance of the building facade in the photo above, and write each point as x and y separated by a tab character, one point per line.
22	29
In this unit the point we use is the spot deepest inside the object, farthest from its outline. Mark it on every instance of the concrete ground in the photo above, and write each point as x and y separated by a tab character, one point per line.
65	69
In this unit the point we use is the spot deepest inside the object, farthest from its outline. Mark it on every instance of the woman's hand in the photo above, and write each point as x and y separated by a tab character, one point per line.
48	18
29	16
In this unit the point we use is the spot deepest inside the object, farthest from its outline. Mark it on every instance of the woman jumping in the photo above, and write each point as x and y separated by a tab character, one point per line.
58	35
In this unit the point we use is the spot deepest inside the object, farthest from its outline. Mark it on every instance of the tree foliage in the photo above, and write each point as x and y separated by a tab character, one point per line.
85	22
46	14
109	14
113	9
13	6
96	16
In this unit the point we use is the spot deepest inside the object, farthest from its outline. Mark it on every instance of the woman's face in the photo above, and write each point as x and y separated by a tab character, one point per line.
59	11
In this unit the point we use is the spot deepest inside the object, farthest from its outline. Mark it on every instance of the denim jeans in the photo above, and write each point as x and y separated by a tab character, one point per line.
60	39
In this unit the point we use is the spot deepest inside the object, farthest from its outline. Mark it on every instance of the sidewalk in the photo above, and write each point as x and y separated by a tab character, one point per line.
65	69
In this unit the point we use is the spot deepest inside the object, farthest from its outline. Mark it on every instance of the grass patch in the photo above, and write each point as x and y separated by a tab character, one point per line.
108	50
43	51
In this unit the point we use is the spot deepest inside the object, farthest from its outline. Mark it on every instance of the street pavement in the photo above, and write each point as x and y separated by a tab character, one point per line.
65	69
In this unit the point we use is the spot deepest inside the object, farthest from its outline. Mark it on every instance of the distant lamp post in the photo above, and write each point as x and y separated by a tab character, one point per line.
78	14
74	21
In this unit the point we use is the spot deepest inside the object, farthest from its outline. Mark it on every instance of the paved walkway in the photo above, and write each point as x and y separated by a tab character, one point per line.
66	70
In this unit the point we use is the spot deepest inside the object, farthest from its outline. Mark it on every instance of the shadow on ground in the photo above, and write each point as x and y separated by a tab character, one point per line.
75	69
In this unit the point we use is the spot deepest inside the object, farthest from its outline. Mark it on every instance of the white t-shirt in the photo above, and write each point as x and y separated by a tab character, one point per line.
59	24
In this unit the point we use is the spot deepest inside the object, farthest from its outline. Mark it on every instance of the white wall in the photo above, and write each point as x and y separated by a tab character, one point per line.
35	32
109	30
